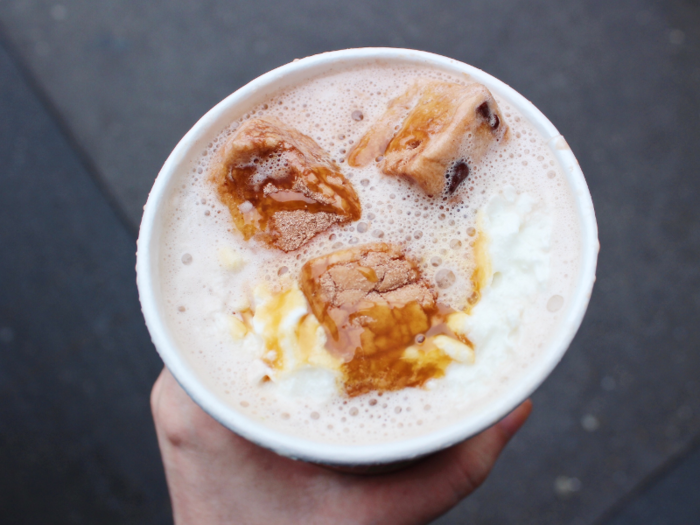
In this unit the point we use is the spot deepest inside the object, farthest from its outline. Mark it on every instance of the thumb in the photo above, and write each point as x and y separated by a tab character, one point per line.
472	461
438	483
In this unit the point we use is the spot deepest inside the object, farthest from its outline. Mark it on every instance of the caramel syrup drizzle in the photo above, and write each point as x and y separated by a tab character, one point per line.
236	188
305	178
379	363
373	337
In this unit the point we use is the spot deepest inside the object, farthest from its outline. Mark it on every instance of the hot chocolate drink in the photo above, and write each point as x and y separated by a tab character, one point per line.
369	255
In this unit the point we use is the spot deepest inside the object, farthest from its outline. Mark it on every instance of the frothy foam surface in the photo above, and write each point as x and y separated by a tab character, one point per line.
209	273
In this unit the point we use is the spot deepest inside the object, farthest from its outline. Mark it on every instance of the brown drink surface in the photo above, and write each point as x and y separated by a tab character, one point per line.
211	271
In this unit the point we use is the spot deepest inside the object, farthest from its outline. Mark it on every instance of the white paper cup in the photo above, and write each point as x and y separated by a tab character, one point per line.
364	458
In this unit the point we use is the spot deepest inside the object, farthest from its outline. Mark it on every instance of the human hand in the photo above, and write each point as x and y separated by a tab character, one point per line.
216	477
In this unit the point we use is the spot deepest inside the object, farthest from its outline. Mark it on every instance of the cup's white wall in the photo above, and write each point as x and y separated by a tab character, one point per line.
184	157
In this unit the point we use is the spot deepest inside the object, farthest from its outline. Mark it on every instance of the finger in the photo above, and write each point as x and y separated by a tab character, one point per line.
180	422
474	459
517	418
167	397
441	481
158	394
171	389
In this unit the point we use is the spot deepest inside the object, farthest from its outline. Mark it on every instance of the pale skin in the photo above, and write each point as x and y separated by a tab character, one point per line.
216	477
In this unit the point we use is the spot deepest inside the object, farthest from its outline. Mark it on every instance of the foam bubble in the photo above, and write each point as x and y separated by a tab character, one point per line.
555	303
336	110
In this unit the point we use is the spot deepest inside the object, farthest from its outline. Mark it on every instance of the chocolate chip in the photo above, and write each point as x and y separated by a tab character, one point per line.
485	112
456	175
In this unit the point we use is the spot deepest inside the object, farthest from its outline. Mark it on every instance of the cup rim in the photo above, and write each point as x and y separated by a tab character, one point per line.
387	452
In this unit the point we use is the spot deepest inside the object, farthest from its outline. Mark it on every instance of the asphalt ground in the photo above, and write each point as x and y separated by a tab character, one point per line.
94	95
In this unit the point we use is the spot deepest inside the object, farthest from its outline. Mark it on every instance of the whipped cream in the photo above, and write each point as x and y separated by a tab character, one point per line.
518	236
289	343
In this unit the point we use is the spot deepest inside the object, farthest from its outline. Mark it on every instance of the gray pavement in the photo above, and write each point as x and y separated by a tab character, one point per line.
77	443
671	500
114	85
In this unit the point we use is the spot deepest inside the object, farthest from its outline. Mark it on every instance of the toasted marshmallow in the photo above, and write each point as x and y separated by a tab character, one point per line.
281	185
433	134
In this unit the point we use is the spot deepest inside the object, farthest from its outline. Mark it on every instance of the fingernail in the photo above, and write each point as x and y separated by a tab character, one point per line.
516	419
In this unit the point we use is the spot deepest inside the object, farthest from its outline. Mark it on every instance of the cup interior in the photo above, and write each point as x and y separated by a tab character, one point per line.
185	155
